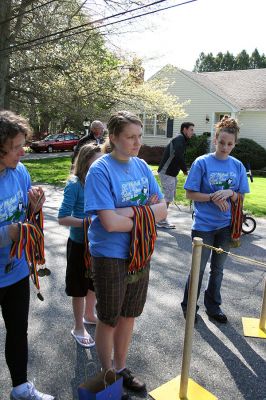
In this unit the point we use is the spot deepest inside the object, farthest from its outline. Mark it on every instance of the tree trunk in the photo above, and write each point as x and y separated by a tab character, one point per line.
5	10
44	122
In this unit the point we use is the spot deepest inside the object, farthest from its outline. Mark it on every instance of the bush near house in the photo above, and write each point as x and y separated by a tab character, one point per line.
197	146
151	154
250	152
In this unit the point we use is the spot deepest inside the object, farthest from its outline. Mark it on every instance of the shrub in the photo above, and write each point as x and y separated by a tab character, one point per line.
197	146
250	152
151	154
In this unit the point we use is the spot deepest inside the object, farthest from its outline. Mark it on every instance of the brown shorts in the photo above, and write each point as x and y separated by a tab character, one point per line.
115	295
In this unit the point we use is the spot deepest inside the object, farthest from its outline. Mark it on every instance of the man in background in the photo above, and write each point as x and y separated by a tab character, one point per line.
95	136
172	162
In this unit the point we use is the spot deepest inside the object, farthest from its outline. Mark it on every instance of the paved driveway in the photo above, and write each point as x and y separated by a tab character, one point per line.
39	156
226	363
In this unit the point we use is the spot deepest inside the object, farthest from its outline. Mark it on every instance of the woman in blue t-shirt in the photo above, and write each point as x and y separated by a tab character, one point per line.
71	213
213	180
115	183
16	195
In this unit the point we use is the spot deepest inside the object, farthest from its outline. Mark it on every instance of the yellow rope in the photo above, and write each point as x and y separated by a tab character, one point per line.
219	250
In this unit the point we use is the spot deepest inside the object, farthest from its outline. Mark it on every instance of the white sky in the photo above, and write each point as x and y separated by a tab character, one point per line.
179	35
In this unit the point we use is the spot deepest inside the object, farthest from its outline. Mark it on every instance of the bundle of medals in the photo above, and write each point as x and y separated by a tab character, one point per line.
31	242
143	237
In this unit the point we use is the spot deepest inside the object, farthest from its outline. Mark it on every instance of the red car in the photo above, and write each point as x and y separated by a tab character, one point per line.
57	142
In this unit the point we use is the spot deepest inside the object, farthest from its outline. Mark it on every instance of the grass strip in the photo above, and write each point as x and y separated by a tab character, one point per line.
55	171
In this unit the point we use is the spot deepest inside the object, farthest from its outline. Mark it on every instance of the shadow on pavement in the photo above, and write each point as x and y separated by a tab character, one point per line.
248	370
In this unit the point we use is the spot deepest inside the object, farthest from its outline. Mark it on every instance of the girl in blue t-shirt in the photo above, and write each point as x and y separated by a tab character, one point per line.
213	180
115	183
71	213
16	195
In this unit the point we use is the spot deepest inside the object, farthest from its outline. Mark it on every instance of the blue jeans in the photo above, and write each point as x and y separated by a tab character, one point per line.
212	296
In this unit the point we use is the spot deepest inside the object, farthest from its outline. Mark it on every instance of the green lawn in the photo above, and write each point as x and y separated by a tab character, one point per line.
55	171
254	201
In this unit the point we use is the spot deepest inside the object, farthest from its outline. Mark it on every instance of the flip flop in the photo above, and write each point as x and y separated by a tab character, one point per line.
79	339
88	322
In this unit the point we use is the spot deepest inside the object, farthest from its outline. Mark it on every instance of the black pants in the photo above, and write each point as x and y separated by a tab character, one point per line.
14	301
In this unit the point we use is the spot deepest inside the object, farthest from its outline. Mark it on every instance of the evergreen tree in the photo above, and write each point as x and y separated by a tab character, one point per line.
242	60
205	63
227	61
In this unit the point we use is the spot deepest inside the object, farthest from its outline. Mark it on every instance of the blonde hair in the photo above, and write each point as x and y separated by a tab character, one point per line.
81	166
118	121
229	125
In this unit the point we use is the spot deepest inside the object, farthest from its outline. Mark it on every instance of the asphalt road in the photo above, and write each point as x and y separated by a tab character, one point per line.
229	365
39	156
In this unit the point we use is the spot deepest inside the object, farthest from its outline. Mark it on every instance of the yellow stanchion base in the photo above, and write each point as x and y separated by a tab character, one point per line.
251	328
170	391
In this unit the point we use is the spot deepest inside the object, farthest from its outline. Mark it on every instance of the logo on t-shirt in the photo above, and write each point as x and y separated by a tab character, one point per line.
135	191
142	197
222	180
12	209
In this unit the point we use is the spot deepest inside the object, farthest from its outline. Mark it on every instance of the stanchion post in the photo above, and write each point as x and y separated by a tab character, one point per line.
262	324
190	315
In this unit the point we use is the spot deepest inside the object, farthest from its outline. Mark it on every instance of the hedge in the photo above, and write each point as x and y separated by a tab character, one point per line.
250	152
197	146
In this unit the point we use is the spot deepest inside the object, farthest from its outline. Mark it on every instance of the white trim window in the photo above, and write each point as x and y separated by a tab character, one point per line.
154	124
219	116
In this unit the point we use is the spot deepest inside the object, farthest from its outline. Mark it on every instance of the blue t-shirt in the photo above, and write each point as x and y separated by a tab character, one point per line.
112	184
73	205
207	175
14	186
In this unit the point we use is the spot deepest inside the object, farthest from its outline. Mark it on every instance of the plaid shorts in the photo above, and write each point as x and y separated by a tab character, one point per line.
169	184
115	295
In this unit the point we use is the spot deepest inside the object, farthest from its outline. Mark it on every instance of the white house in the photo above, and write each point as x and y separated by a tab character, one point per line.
241	94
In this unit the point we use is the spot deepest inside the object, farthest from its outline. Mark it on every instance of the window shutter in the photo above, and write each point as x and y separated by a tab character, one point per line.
170	127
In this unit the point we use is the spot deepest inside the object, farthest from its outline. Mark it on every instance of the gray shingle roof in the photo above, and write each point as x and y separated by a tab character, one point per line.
244	89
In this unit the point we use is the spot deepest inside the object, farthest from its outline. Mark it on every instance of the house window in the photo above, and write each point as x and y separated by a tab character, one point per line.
219	116
161	124
154	124
149	124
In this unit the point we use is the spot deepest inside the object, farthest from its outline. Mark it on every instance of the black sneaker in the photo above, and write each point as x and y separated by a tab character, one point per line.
131	382
219	317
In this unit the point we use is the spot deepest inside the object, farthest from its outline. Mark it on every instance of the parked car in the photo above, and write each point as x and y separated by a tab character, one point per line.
57	142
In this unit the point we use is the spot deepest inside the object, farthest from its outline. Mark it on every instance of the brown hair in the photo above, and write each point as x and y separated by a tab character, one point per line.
81	165
229	125
186	125
118	121
11	125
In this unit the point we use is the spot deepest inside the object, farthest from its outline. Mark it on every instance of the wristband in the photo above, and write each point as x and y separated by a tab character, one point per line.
210	199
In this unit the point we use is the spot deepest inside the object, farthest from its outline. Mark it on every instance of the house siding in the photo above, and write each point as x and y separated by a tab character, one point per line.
202	104
253	126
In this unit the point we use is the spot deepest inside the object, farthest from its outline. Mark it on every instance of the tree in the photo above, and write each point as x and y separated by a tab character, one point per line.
257	60
242	60
228	62
205	63
57	80
219	61
5	12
